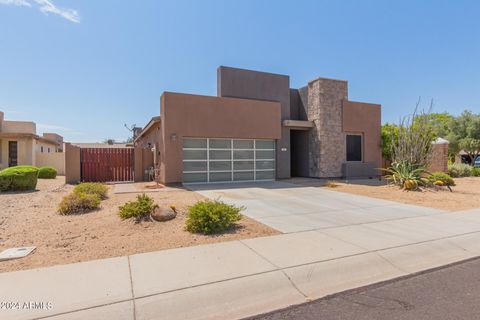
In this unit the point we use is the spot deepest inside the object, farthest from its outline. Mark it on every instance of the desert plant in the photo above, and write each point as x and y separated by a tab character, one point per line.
212	216
476	172
406	175
413	143
47	173
19	178
441	179
331	184
138	209
457	170
78	202
96	188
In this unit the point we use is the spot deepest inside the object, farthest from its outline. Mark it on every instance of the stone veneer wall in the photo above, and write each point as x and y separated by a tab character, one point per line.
439	160
327	140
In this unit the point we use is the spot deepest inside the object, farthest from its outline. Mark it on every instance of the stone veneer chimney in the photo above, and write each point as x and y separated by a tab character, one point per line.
327	140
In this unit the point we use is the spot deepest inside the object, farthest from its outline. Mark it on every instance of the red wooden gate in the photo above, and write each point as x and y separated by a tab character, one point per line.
106	164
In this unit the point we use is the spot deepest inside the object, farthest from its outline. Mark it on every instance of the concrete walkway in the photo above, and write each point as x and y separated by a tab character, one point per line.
237	279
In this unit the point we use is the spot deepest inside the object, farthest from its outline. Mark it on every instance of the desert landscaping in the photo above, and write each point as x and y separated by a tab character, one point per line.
31	219
465	194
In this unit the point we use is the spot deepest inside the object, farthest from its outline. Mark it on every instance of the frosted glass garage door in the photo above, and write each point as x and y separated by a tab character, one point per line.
227	160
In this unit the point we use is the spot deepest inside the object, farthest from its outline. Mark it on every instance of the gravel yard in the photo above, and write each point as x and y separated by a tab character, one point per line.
31	219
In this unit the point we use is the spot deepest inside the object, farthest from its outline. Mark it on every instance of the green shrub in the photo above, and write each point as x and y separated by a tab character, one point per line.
443	177
47	173
138	209
476	172
457	170
19	178
96	188
78	202
210	217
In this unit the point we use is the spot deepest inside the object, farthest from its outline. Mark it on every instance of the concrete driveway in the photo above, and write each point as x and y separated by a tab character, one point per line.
289	207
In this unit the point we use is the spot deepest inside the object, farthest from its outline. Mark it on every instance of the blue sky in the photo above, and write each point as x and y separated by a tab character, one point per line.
83	68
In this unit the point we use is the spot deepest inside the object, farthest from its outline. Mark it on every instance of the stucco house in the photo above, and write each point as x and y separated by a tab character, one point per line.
258	128
20	145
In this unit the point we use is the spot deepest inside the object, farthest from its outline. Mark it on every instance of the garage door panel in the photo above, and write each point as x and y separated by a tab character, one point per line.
243	144
220	154
194	154
195	166
265	164
224	160
265	144
220	176
265	175
243	165
243	176
220	144
194	177
220	166
195	143
243	154
265	154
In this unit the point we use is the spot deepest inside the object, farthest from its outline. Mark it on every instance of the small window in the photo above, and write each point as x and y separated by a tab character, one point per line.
41	149
354	147
48	150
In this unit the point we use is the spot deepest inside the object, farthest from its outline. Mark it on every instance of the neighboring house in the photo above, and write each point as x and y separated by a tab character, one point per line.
20	145
258	128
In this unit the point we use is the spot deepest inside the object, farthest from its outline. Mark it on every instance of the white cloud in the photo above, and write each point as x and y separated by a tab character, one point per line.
46	7
58	129
20	3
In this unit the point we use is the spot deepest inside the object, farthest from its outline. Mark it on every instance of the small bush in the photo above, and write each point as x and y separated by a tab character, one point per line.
78	202
476	172
47	173
442	177
96	188
210	217
331	184
458	170
138	209
19	178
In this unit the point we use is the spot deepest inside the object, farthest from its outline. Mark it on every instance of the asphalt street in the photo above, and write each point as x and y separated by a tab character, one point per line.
452	292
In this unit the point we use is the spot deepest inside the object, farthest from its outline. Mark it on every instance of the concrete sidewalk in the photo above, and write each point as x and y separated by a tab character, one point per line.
242	278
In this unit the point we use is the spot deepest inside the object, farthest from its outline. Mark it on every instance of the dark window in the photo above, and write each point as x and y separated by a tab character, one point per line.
354	147
41	149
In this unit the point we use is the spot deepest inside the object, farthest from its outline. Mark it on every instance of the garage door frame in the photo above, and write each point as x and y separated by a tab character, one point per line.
234	151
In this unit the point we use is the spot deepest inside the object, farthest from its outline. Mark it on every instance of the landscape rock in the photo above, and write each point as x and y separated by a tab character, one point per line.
163	214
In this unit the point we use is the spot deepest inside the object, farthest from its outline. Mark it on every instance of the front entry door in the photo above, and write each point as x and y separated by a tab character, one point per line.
12	153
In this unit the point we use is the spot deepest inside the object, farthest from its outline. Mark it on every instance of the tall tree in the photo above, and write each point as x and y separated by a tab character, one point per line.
465	134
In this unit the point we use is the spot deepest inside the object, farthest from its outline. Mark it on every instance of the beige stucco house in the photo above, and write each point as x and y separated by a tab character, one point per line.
20	145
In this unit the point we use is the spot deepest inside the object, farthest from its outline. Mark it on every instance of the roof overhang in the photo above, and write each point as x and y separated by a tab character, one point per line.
19	135
152	121
298	124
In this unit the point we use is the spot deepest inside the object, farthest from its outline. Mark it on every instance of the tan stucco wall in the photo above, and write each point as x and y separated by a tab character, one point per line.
72	164
19	127
25	153
365	118
185	115
45	145
55	160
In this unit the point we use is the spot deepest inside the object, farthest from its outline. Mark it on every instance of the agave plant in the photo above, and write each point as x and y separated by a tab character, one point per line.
406	175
